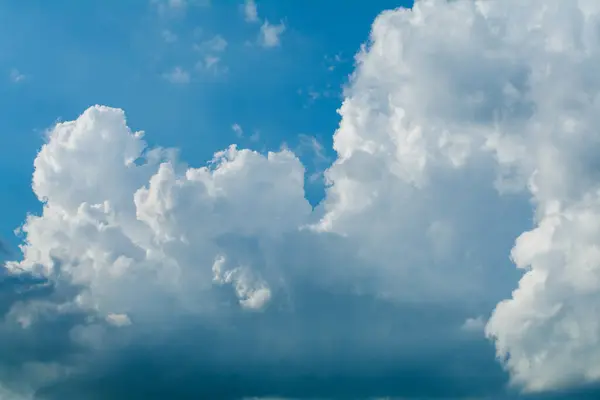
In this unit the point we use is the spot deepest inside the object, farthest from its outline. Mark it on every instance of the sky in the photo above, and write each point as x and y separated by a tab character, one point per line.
60	59
275	200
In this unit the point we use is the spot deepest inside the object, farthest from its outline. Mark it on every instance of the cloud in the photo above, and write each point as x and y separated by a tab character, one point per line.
168	36
475	325
215	44
211	50
270	35
334	61
312	145
148	276
132	241
211	64
177	75
314	157
16	76
170	7
250	11
237	129
176	8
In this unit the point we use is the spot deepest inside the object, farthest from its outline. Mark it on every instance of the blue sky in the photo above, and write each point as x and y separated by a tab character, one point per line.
59	58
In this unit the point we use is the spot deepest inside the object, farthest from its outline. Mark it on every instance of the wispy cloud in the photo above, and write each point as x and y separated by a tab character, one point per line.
216	44
250	11
237	129
211	51
310	146
177	75
177	3
168	36
16	76
333	61
177	7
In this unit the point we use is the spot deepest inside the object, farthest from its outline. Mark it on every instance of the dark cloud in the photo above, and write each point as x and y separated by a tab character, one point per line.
349	348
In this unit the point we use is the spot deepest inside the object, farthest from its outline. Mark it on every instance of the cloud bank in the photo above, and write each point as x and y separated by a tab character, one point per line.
468	129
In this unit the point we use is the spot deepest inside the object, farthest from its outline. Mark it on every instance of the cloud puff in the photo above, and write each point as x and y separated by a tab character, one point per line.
16	76
237	129
250	11
216	44
270	35
177	76
158	278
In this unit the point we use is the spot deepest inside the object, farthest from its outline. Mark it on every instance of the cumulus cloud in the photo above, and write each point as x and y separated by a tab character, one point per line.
152	277
270	35
135	250
250	11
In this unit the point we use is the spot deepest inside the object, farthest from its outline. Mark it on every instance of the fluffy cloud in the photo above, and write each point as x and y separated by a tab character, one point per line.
250	11
514	83
270	35
459	118
131	241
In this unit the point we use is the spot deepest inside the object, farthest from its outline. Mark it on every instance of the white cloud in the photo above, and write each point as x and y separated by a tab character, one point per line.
177	75
474	325
128	217
527	101
211	50
250	11
211	64
16	76
170	8
334	61
270	35
215	44
237	129
118	319
151	242
252	293
169	36
312	145
510	87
